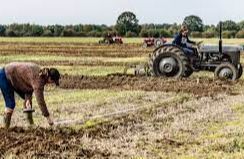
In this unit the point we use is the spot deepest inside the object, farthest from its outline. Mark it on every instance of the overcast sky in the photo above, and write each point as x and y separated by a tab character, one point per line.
106	11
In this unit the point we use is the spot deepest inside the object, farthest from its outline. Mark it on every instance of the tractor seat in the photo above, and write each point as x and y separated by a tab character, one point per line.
215	48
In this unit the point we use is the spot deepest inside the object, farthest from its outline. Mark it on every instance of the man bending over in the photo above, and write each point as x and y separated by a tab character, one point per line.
26	79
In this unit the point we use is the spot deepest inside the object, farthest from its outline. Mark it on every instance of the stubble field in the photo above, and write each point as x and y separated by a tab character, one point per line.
101	113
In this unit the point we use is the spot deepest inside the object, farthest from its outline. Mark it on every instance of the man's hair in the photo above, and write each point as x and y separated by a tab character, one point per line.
54	75
183	28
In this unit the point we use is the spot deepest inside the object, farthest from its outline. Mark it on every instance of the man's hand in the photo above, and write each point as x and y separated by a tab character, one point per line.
28	106
199	43
50	121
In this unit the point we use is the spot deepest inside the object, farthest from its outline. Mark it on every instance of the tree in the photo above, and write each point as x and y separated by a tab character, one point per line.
209	28
208	34
10	33
87	28
37	30
154	33
26	30
14	29
228	34
240	34
69	32
144	33
194	23
229	25
47	33
196	34
173	29
241	25
131	34
2	30
127	22
165	33
58	30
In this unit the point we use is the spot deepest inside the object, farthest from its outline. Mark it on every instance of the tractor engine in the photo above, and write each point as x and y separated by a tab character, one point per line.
211	57
210	53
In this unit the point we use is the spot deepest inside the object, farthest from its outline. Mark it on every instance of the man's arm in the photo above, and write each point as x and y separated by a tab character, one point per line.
177	40
41	102
189	41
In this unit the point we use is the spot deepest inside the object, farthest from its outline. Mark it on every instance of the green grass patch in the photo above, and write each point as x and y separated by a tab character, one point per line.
55	96
92	123
89	70
50	58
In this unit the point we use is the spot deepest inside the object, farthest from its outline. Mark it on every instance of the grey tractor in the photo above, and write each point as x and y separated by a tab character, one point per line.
170	60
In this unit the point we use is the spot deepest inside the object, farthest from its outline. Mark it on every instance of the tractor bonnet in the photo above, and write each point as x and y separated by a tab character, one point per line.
215	48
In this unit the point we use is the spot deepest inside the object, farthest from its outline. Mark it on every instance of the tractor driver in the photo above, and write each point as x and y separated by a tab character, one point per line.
26	79
182	40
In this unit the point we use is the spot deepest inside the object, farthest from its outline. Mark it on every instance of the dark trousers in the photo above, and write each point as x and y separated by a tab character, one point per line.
7	90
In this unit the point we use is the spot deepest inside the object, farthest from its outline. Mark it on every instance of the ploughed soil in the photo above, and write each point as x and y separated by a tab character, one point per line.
196	86
58	142
47	143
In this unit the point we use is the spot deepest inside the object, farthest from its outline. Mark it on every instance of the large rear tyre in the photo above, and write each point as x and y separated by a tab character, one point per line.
169	61
226	71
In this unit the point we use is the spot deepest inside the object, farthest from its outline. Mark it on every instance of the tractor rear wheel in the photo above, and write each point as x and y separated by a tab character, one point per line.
226	71
169	61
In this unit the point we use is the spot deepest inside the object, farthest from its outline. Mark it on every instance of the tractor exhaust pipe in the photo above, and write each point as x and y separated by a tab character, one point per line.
220	38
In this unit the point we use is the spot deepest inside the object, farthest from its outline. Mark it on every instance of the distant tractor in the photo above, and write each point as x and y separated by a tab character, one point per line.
155	42
170	60
109	39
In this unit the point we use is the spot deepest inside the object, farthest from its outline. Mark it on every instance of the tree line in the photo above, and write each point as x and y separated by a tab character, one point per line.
126	25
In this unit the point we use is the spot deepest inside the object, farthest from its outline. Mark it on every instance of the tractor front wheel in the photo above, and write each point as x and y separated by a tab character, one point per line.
226	71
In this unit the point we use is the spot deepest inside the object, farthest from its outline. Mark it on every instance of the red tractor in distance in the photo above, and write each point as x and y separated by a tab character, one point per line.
156	42
111	39
117	40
